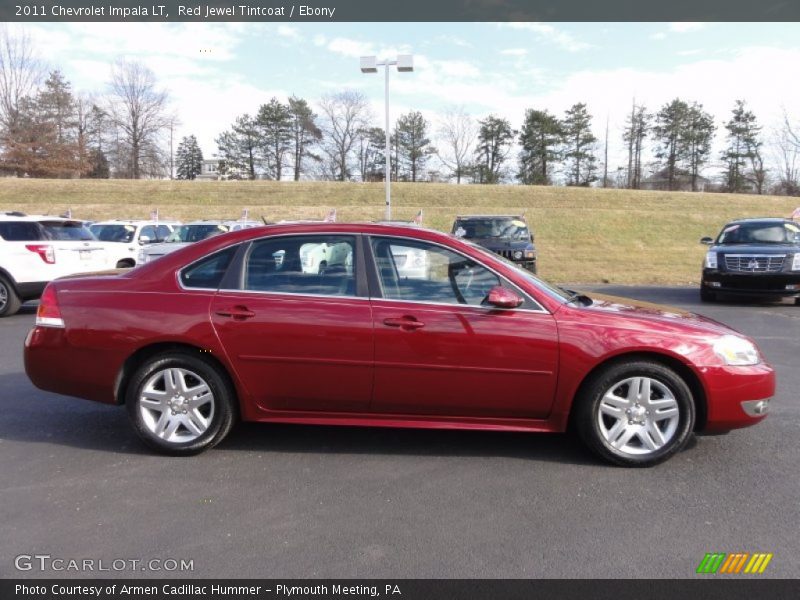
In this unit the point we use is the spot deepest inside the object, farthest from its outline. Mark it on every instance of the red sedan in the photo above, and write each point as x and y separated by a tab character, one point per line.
382	325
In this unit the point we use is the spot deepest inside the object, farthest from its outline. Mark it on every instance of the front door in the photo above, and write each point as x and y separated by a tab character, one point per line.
439	351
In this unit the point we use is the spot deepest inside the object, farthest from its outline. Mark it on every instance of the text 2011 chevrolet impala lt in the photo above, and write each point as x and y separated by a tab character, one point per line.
242	326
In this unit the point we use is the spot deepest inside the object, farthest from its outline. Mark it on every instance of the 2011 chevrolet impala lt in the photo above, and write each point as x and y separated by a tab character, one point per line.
247	326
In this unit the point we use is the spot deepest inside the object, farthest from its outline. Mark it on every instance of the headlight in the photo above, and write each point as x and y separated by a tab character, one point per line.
530	253
736	351
711	260
796	262
517	254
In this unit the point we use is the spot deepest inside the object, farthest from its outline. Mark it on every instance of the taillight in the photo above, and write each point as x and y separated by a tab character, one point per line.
48	314
45	252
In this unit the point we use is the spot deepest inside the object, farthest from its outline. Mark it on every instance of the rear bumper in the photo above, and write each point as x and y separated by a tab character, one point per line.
757	284
31	290
733	395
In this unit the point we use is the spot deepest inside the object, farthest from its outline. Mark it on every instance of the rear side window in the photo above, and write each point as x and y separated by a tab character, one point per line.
208	272
21	231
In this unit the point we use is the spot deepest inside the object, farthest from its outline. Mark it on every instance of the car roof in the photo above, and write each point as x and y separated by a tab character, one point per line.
762	220
468	217
136	222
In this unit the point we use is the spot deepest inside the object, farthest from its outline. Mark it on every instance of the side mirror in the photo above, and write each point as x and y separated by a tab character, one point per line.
143	239
501	297
707	241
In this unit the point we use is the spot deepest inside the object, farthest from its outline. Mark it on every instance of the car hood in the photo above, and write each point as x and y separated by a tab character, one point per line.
756	248
647	312
501	244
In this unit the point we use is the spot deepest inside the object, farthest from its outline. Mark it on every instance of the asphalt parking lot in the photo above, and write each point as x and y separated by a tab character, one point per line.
292	501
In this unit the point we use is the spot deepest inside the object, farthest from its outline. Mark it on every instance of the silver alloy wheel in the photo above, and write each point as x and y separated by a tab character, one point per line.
638	416
3	296
176	405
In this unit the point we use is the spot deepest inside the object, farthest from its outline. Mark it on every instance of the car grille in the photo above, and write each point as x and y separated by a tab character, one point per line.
754	263
509	254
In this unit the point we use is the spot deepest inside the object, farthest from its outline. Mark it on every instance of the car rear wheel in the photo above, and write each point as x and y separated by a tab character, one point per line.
635	414
180	404
9	300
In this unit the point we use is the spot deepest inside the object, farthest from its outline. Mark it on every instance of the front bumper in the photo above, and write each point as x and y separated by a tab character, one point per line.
783	284
737	397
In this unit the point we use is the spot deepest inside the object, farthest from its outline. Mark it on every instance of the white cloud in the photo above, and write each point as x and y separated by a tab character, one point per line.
549	33
287	31
351	48
514	52
660	35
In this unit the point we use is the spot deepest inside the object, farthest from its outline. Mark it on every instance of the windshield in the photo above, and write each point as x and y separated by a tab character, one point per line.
551	290
67	230
195	233
506	228
113	233
760	233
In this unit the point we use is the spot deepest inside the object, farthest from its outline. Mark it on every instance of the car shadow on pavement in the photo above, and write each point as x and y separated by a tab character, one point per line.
33	416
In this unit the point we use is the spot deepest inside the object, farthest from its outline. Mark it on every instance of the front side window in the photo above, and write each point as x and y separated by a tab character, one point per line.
207	273
113	233
195	233
319	265
421	272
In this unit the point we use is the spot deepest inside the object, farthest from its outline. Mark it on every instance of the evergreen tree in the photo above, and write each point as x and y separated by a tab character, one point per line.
744	165
305	133
495	137
413	144
188	158
637	126
275	127
98	165
578	146
699	132
372	153
238	149
540	139
670	133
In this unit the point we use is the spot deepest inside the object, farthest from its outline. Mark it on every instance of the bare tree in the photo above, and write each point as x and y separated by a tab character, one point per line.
457	133
344	115
137	108
786	148
20	74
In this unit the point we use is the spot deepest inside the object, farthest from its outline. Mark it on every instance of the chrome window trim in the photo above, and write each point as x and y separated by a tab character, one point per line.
477	306
500	276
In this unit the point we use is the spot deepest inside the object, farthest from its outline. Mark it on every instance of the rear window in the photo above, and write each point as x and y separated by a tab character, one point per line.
208	272
21	231
67	230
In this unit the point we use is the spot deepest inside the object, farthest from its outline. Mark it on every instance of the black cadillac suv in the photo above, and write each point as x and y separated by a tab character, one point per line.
508	236
753	257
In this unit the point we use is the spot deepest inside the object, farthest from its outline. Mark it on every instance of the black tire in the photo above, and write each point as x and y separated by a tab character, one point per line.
797	301
221	416
126	264
587	415
9	300
706	296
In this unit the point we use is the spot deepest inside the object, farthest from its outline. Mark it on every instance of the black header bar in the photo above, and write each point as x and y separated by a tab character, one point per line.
399	10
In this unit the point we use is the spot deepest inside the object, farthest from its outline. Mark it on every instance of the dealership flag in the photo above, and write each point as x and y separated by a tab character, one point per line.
245	212
418	218
796	214
331	218
154	215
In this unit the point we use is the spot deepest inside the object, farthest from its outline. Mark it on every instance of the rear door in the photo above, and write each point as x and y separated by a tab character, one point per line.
301	340
439	351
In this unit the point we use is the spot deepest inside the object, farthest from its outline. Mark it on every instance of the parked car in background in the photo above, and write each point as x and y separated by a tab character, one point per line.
124	238
507	235
753	257
189	233
30	257
478	343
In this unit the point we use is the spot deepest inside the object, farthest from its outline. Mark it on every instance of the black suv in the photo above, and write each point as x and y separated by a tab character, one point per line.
753	257
506	235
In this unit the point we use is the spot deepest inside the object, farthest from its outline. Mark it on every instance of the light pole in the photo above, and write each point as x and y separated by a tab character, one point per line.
405	64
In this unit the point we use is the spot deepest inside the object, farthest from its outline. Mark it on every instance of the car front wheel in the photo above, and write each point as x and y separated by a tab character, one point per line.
635	414
706	296
180	404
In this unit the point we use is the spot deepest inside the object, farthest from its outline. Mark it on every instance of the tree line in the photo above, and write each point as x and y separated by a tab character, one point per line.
47	129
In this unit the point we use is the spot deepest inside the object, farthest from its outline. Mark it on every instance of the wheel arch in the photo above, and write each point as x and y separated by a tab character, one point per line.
686	373
138	358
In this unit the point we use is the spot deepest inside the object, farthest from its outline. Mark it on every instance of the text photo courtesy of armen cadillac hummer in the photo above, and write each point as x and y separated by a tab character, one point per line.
396	304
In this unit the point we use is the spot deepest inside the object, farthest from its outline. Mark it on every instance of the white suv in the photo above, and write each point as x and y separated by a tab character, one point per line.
123	239
189	233
30	257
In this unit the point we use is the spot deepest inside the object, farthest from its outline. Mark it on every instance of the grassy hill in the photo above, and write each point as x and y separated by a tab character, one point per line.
582	235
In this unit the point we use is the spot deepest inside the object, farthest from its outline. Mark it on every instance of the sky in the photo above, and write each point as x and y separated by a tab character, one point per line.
216	71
